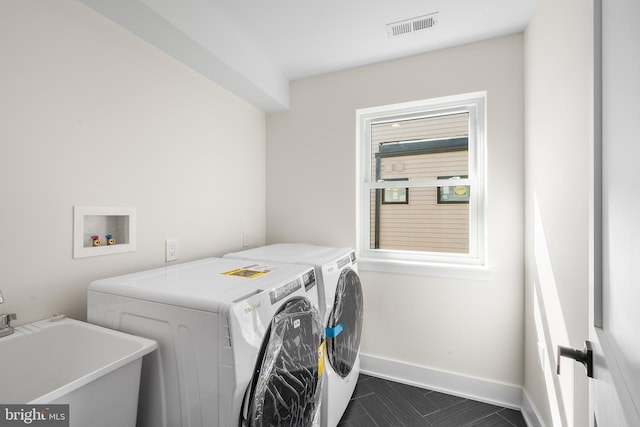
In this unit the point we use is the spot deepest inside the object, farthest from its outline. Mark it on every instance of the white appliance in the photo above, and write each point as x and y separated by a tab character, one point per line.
341	305
238	343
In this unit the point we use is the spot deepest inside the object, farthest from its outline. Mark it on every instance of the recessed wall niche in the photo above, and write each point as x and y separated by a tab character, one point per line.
103	230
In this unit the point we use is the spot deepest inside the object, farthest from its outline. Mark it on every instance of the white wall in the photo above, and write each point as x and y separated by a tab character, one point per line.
91	115
468	327
557	69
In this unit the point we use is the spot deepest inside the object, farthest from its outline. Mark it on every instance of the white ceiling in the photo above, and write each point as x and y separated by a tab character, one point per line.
254	48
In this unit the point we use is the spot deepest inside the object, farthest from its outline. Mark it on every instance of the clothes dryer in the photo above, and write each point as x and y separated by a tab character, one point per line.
341	304
238	343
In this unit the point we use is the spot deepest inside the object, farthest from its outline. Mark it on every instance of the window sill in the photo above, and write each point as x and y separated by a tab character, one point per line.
453	271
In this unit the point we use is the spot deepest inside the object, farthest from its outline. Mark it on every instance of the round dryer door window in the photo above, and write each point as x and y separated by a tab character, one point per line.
285	390
345	323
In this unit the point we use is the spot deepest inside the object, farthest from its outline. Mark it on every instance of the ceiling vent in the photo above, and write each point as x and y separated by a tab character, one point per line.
419	23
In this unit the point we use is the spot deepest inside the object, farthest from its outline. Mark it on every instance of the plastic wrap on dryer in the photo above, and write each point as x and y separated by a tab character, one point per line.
344	328
288	389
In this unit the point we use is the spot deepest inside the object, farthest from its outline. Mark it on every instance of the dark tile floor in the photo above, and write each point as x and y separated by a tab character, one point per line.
378	402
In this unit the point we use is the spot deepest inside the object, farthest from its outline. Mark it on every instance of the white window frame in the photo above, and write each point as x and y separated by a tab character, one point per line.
446	264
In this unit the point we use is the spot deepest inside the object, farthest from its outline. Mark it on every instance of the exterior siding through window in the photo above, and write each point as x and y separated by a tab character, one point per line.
419	149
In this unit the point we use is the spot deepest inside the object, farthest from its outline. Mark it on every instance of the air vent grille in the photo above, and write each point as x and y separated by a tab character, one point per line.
419	23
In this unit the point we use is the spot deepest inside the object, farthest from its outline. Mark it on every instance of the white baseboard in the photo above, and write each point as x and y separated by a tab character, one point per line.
496	393
501	394
530	412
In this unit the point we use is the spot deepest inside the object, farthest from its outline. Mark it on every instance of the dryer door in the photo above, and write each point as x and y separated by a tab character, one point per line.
344	327
286	386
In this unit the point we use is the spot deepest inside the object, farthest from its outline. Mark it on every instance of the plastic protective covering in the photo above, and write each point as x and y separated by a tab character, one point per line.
342	350
286	390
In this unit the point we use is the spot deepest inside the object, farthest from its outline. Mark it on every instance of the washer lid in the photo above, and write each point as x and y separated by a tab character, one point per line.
205	284
297	253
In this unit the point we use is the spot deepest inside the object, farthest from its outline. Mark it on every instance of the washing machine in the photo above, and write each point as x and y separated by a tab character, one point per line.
239	343
341	305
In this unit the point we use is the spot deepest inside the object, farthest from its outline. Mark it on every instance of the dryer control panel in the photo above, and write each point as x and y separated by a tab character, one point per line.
308	279
283	291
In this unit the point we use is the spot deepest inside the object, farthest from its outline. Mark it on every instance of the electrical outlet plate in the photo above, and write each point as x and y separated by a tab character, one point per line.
170	250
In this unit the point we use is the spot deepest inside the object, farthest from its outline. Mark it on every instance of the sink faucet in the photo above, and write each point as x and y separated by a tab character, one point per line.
5	321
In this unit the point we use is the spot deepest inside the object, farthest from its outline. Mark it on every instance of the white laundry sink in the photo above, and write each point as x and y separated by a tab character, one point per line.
96	371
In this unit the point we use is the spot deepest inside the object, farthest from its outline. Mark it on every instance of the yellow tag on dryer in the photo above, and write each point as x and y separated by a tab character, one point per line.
321	358
249	272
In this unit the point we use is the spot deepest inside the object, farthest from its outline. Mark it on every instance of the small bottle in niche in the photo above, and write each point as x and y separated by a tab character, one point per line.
110	240
96	240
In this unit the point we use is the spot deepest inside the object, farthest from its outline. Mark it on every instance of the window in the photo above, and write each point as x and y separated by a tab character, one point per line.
395	195
436	149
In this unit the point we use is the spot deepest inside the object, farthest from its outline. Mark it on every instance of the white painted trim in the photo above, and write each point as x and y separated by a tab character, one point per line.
493	392
496	393
473	103
432	269
530	413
